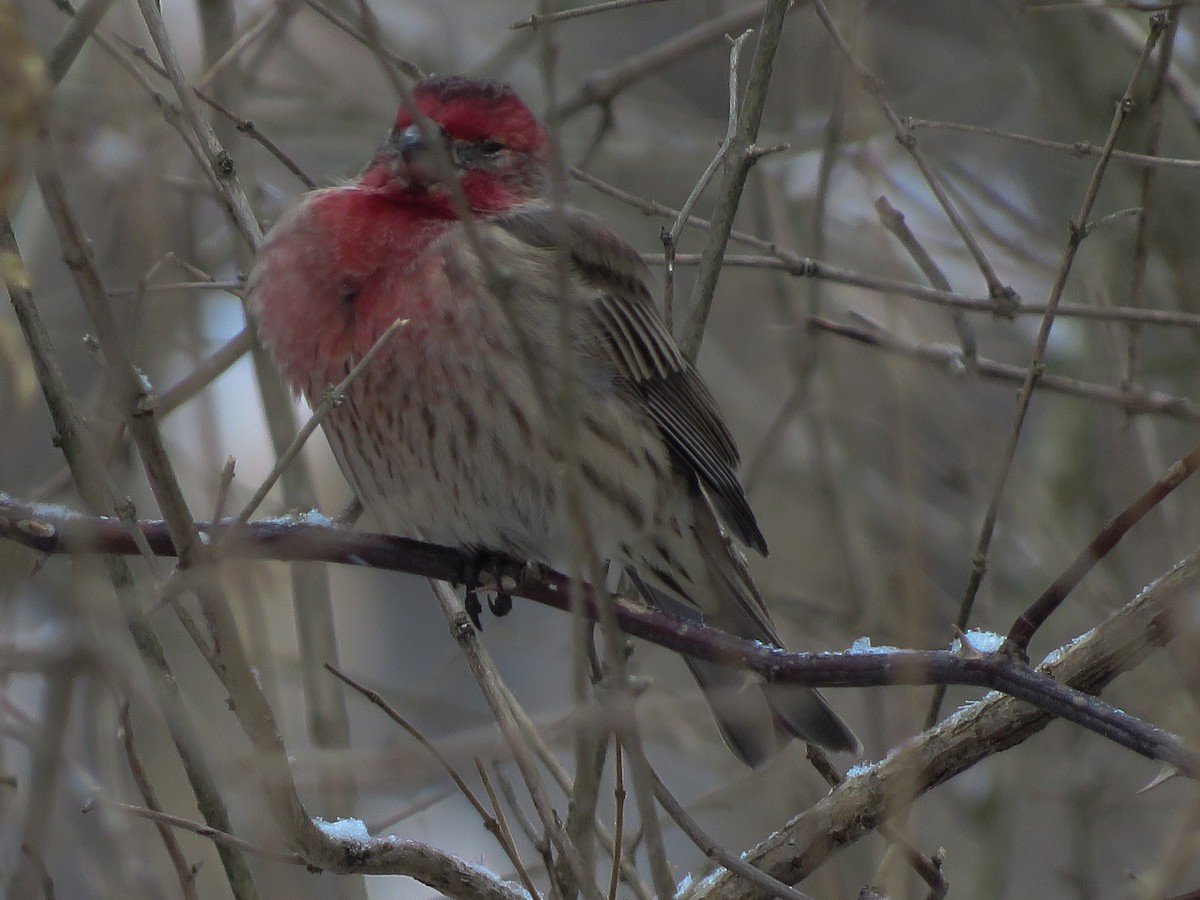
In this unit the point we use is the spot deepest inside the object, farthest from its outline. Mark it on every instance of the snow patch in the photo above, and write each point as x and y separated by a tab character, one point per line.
862	647
983	641
344	829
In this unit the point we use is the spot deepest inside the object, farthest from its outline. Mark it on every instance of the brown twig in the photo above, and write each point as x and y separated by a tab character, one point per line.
1141	241
93	488
619	819
804	267
714	851
601	88
184	872
893	220
46	770
539	19
503	832
494	821
408	68
741	156
872	84
218	837
1078	149
950	359
1027	624
975	732
1077	231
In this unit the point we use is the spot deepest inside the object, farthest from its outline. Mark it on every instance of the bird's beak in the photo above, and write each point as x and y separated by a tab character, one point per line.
413	148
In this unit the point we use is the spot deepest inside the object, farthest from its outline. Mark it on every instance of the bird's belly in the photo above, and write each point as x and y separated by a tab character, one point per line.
465	454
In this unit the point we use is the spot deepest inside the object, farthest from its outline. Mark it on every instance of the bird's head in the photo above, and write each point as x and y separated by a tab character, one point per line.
490	141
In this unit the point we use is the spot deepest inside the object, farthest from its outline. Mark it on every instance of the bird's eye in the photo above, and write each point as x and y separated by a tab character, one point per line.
470	154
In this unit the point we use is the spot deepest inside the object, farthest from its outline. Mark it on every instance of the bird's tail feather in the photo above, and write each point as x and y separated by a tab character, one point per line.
756	719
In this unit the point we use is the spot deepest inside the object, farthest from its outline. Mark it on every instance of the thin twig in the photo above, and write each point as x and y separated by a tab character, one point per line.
949	359
671	238
1076	233
408	68
714	851
331	400
184	872
997	290
602	88
741	158
1077	149
1027	624
217	163
504	832
375	698
493	822
539	19
490	684
619	819
629	872
1141	241
411	810
218	837
45	773
893	221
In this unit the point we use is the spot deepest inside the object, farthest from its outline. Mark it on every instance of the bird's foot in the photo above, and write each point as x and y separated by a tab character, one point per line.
489	572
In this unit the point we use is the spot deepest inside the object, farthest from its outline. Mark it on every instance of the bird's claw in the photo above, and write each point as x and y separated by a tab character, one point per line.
493	573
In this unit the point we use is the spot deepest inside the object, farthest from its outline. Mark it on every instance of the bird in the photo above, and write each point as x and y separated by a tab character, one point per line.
451	433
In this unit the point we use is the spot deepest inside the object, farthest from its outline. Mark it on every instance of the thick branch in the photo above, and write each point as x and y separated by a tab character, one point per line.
878	793
52	529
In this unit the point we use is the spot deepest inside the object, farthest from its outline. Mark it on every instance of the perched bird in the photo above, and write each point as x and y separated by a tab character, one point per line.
451	434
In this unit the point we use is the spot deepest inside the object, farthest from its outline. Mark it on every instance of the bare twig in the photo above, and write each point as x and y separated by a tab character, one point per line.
332	399
216	161
1141	243
1077	232
997	290
491	821
740	159
46	767
218	837
601	88
93	489
504	833
893	221
714	851
982	729
184	873
619	820
950	359
408	68
671	239
1075	148
536	20
1031	620
491	686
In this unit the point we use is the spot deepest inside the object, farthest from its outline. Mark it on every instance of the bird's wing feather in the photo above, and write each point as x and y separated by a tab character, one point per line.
641	353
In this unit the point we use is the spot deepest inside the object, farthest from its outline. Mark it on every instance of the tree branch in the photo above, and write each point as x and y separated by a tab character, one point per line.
51	529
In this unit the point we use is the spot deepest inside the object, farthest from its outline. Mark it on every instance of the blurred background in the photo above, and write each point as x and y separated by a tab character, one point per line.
870	471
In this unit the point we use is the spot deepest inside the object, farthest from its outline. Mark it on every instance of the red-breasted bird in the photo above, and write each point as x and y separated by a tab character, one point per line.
448	436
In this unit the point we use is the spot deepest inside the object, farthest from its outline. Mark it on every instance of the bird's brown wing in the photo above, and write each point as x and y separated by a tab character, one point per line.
642	354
